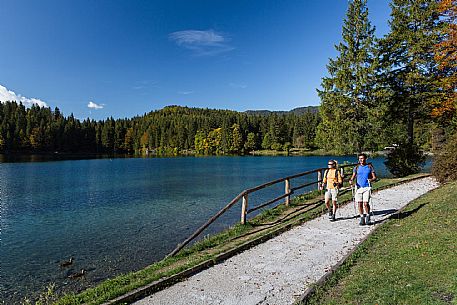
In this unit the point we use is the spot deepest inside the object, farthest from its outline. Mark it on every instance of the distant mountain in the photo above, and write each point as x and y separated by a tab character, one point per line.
297	111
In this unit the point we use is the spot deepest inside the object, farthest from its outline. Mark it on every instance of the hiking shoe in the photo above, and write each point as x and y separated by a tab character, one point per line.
333	218
367	220
330	215
362	220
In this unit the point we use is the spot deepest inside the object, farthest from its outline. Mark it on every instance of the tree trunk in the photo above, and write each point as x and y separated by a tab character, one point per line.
438	139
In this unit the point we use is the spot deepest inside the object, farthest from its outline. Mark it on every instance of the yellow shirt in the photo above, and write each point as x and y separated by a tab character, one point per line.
330	178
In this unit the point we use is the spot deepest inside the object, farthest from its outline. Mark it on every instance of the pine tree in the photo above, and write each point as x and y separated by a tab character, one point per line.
346	98
251	142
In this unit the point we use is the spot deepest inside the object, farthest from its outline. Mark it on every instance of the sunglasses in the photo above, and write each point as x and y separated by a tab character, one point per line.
331	164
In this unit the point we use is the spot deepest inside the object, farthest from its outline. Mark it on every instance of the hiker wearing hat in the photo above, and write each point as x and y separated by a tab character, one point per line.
365	175
332	181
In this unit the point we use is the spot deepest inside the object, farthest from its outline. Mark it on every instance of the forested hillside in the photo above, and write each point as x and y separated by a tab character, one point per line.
171	130
297	111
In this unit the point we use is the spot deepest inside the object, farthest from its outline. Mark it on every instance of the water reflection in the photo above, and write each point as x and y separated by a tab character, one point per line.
18	157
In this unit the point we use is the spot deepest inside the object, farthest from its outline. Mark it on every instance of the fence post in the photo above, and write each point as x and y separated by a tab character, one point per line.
287	190
244	208
319	178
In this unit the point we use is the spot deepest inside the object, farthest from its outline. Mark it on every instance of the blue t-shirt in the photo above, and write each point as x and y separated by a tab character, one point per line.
363	173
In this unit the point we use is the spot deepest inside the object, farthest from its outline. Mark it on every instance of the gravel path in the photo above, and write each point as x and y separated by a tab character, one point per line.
279	270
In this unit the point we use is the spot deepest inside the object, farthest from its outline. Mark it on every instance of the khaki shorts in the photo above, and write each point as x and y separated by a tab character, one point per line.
363	194
333	193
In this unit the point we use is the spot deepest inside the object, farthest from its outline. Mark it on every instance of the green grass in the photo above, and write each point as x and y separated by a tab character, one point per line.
411	259
269	222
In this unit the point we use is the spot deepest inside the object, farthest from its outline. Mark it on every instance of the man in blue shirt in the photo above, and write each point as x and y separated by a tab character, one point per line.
365	174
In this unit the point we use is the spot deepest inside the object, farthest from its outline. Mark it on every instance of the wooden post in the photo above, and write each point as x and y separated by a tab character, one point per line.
287	190
319	178
244	208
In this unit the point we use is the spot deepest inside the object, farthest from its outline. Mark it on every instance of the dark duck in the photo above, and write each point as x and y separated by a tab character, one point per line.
66	263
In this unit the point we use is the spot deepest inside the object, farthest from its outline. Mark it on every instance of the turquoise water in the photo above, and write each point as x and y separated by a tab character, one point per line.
119	215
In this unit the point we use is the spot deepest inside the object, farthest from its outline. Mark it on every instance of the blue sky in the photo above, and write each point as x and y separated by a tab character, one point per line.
126	58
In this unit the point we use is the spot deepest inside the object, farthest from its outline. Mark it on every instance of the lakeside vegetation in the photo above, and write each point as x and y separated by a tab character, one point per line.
409	260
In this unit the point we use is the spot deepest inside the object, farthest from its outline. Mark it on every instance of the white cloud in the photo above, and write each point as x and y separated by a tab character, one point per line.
7	95
185	92
202	43
93	105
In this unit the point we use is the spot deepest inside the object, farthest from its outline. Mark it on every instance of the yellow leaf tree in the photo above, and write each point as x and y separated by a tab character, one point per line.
444	108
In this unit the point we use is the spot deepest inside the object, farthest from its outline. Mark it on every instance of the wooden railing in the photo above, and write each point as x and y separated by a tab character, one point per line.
244	195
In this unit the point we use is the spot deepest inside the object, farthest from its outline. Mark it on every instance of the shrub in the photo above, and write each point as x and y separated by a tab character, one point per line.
444	166
407	159
276	146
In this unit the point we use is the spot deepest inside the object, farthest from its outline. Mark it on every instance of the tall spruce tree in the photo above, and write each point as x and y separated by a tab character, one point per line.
409	75
406	56
346	98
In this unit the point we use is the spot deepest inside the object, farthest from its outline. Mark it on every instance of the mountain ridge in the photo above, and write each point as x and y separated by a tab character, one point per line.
297	111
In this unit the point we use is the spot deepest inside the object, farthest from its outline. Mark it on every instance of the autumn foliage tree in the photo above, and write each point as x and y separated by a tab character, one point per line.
444	106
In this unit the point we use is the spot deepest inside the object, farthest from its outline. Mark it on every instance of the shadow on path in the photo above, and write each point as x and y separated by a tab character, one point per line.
403	215
375	213
346	218
394	214
384	212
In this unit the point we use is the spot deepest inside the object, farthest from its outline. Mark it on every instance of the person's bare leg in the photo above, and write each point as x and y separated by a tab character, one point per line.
361	215
367	207
360	207
367	210
334	210
327	204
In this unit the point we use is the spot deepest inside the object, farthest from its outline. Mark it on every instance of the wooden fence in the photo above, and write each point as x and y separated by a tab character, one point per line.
244	196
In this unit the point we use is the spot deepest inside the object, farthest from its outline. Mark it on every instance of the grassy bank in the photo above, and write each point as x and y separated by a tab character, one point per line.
309	152
264	226
294	152
411	259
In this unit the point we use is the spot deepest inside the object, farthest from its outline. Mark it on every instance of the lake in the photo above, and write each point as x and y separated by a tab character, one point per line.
118	215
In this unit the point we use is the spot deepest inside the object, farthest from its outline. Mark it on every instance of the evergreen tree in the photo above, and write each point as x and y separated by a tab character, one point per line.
237	139
266	141
251	142
346	99
409	69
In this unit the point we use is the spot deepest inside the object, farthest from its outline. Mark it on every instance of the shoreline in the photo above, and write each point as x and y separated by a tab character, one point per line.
94	155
